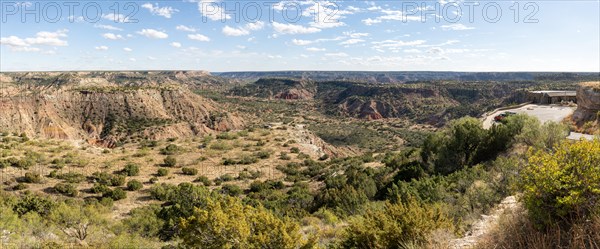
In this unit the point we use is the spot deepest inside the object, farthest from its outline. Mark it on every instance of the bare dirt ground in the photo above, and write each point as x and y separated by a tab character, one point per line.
484	225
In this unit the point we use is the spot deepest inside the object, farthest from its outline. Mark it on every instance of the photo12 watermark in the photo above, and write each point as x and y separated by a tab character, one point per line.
270	11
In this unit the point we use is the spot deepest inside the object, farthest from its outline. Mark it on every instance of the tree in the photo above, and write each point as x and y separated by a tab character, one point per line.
227	223
563	186
394	225
455	147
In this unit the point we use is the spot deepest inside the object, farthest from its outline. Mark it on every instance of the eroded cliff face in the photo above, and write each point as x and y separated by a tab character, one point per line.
588	102
104	111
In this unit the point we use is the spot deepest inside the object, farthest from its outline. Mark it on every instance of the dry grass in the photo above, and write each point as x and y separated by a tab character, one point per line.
515	230
208	162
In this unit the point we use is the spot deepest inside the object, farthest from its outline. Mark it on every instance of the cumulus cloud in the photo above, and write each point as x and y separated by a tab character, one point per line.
456	26
255	25
229	31
302	42
152	33
43	38
166	12
107	27
120	18
293	29
175	44
101	48
199	37
352	41
314	49
112	36
336	54
389	15
395	45
245	30
185	28
127	49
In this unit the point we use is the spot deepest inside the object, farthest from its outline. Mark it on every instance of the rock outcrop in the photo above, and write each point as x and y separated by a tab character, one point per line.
106	110
588	102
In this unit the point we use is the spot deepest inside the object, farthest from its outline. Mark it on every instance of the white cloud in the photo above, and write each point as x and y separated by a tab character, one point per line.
151	58
185	28
132	59
351	41
107	27
101	48
127	49
43	38
199	37
395	45
336	54
13	41
112	36
152	33
175	44
229	31
49	38
314	49
211	9
355	35
166	12
389	15
412	51
302	42
457	26
255	25
116	18
293	28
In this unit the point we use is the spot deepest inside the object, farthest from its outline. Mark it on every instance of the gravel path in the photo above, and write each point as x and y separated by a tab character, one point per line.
484	225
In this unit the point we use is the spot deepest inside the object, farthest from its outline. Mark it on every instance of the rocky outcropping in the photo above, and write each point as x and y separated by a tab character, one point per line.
106	111
588	102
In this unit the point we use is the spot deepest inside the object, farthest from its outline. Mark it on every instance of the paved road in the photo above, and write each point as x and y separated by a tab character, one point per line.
544	113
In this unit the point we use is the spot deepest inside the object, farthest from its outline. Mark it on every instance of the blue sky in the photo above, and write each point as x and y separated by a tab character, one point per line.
300	35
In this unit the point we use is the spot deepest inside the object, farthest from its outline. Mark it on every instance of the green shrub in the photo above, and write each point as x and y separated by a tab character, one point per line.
134	185
19	186
66	189
204	180
227	136
562	187
294	150
162	172
99	188
231	189
170	149
170	161
153	179
31	177
284	156
108	179
262	154
115	194
395	224
131	169
189	171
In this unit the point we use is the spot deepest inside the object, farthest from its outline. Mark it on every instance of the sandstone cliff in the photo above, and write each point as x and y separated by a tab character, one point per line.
588	102
107	108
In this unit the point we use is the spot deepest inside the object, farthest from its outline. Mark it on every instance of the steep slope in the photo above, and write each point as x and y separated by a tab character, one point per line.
278	88
108	109
586	118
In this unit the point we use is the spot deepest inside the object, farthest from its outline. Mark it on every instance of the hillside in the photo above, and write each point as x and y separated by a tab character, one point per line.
425	103
109	108
587	115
